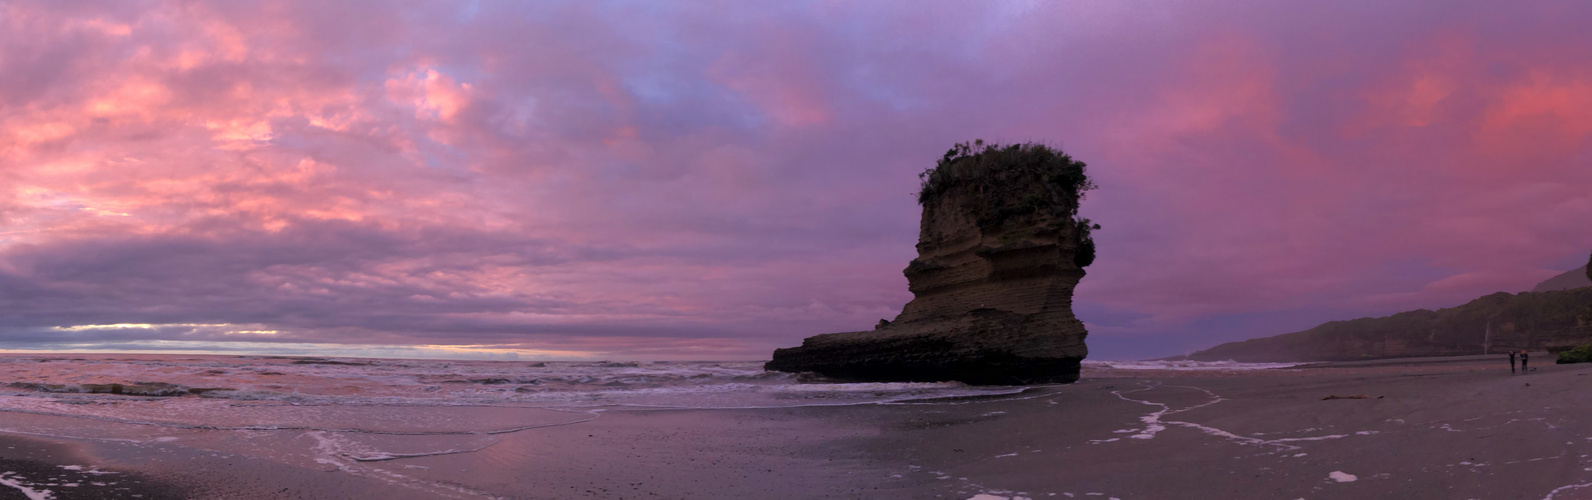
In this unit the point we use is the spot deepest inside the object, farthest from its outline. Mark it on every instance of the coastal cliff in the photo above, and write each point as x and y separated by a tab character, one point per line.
1000	249
1581	353
1495	323
1569	280
1586	317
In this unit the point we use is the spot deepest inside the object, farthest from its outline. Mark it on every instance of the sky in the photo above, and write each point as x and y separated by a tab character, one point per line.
711	180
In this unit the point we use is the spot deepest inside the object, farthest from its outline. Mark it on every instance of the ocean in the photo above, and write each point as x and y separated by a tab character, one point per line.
356	415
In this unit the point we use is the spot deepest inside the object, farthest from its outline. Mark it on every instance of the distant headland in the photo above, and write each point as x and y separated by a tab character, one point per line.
1555	316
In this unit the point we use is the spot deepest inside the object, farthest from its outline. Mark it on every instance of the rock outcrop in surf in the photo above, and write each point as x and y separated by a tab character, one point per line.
1000	249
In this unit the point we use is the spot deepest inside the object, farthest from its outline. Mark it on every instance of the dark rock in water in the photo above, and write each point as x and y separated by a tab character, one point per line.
1000	249
150	389
318	361
810	378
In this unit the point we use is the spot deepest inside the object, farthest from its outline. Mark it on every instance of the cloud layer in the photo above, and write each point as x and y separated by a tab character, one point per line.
712	180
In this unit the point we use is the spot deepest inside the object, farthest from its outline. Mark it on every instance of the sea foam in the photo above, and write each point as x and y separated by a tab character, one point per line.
1184	365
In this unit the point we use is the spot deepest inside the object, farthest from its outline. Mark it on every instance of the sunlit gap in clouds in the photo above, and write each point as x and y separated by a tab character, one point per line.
221	328
248	347
253	339
239	348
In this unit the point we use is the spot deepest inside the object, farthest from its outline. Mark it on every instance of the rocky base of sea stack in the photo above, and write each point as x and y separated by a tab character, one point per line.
988	348
982	369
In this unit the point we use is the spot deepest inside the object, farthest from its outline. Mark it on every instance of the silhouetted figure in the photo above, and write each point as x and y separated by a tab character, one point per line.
1511	362
1523	358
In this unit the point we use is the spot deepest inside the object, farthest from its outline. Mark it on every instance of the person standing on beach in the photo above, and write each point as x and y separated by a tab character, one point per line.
1523	358
1511	361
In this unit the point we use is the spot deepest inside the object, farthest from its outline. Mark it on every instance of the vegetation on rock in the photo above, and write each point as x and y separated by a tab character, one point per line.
1580	354
1015	181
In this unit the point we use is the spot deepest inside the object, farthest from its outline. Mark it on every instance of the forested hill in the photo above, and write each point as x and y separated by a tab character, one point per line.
1494	323
1574	278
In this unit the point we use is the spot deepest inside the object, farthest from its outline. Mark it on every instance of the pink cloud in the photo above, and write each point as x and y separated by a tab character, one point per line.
724	179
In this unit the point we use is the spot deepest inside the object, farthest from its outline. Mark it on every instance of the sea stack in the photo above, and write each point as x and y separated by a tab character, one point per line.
1000	249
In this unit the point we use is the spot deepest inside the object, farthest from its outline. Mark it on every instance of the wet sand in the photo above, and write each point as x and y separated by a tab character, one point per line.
1430	428
53	466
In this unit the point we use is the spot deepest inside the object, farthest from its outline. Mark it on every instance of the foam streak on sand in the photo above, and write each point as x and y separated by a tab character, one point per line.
15	482
331	452
1561	489
1154	423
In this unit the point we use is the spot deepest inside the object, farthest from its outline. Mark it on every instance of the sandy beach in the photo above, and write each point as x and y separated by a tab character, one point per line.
1420	428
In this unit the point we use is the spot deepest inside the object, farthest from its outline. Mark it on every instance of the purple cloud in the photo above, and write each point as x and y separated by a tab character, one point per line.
719	179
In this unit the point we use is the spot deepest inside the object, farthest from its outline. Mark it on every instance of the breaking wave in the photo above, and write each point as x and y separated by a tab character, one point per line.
1185	365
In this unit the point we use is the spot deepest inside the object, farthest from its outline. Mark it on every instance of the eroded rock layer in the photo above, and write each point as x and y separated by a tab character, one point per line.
999	252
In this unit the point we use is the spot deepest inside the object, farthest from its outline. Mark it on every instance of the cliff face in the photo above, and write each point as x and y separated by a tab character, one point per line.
999	253
1495	323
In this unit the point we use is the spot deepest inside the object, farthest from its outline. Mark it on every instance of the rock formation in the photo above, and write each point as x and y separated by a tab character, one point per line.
1000	249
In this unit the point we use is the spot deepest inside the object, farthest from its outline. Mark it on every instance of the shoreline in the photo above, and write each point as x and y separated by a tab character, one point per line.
1424	429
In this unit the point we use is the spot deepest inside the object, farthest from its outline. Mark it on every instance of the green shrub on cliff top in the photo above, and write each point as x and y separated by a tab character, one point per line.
999	183
1580	354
